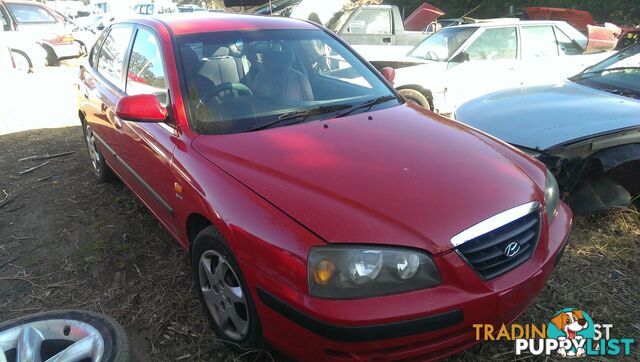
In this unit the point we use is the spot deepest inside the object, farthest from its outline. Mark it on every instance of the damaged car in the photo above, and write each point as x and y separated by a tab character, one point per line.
463	62
586	130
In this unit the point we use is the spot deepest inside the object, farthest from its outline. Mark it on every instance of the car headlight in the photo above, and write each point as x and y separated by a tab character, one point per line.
551	196
350	272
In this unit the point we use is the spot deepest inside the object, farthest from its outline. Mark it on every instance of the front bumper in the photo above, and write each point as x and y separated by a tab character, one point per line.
426	324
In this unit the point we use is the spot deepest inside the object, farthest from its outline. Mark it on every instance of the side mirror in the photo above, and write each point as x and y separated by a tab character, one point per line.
389	74
141	108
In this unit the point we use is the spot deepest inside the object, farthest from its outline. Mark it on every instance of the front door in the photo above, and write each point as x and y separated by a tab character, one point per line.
370	32
147	148
486	65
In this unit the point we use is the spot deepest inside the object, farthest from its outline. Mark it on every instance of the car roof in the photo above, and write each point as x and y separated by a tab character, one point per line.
507	22
205	22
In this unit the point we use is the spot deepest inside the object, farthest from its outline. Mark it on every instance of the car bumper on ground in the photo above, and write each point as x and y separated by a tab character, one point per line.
426	324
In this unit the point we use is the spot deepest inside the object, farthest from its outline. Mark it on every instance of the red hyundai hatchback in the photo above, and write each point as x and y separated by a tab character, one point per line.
323	214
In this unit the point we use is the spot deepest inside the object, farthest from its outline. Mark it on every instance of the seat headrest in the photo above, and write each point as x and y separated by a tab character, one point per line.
217	52
277	56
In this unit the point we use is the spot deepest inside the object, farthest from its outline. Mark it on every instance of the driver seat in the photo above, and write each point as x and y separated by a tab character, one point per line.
278	79
220	67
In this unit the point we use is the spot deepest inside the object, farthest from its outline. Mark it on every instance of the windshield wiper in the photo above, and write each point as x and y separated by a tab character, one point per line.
301	116
595	72
367	104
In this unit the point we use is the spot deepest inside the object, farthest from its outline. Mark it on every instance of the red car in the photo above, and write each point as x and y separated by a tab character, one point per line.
323	214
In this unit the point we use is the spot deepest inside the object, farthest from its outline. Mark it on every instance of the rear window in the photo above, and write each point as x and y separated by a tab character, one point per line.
31	13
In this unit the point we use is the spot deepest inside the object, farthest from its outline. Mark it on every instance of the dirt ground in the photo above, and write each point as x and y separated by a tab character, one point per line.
67	242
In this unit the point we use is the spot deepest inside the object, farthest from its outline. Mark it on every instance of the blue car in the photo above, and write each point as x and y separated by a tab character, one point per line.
586	130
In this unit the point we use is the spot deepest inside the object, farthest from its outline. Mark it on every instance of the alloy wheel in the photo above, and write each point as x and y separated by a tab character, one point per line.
223	295
93	148
74	341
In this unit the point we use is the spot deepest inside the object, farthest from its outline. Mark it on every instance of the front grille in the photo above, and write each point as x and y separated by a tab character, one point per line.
487	253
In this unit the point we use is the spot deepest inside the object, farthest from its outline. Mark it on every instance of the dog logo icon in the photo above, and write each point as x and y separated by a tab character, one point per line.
571	325
512	249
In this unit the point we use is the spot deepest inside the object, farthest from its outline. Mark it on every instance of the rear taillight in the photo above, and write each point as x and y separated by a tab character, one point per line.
67	38
61	39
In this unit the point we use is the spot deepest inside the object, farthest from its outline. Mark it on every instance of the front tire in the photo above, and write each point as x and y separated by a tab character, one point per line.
223	292
416	97
99	166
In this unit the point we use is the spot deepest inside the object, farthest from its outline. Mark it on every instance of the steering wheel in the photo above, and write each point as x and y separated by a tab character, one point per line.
431	55
237	89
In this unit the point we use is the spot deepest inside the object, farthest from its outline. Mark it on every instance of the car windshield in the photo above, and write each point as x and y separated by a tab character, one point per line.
443	44
619	74
245	81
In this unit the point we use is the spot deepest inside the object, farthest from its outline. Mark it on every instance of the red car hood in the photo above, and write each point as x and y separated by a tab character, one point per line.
404	177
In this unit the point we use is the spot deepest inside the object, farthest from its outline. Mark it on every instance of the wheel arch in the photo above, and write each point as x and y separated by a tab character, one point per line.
195	223
24	54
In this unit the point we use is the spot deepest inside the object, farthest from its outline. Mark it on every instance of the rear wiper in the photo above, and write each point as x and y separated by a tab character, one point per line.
301	116
367	104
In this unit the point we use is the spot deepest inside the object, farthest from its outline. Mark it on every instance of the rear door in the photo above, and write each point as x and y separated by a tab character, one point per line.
104	86
147	148
549	55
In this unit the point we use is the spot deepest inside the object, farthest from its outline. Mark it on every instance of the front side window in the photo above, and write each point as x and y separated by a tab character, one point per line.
25	13
538	42
370	21
145	74
619	74
443	44
243	81
494	44
112	54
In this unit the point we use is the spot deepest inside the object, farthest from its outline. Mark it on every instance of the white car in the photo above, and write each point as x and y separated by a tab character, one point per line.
459	63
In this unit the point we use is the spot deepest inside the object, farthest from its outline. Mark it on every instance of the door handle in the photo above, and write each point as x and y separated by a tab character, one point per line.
386	40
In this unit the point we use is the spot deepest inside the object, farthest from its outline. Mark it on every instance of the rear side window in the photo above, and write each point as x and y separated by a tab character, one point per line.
494	44
95	50
30	13
112	54
567	45
146	72
538	42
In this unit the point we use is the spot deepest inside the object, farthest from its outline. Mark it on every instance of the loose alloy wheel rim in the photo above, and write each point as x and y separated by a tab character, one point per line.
93	148
223	295
84	341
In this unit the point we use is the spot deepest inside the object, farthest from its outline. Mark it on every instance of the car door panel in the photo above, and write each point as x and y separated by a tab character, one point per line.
487	64
370	32
104	87
147	148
